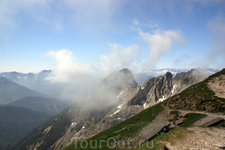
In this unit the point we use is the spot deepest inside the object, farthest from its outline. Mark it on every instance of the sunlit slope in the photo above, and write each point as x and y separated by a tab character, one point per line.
199	97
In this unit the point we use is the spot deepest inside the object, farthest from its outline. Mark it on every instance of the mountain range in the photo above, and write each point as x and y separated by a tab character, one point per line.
21	110
36	82
116	99
47	105
40	83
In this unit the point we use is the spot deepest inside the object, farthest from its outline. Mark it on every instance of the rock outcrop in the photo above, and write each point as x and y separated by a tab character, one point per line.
183	80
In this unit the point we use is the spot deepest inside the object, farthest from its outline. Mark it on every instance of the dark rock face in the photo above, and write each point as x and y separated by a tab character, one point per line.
125	76
161	89
153	89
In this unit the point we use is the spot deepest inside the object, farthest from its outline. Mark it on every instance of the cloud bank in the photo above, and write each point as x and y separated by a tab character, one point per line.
159	42
119	58
85	75
78	78
66	67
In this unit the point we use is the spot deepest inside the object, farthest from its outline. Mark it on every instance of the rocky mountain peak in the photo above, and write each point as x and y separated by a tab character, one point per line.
125	71
194	71
125	76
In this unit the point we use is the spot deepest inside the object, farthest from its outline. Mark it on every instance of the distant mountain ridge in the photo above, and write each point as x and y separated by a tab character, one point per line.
16	76
39	81
47	105
36	82
11	91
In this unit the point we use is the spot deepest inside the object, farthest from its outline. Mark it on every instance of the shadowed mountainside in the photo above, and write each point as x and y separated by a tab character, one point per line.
17	122
50	106
11	91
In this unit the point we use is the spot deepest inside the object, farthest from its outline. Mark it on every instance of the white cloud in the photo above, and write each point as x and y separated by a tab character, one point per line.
119	57
80	78
135	22
66	67
159	42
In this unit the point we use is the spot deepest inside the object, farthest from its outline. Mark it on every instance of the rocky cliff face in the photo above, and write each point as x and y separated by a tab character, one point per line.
183	80
150	92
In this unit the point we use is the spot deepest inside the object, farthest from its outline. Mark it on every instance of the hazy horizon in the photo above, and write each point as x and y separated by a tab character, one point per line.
83	41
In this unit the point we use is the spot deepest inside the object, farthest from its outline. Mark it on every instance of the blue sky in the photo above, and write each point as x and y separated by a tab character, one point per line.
77	37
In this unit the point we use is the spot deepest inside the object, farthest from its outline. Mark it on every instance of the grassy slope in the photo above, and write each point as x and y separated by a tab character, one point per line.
199	97
124	130
177	133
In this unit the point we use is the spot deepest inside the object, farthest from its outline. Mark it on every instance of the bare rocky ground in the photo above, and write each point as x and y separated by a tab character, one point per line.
217	85
157	124
199	139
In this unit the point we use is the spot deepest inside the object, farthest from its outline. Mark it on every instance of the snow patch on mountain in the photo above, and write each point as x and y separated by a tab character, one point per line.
119	108
120	94
145	105
161	99
173	89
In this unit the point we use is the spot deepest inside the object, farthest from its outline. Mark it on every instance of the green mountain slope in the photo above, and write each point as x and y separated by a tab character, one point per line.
199	97
17	122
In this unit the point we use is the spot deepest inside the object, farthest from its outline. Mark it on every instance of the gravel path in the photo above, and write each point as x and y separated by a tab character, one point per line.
200	139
